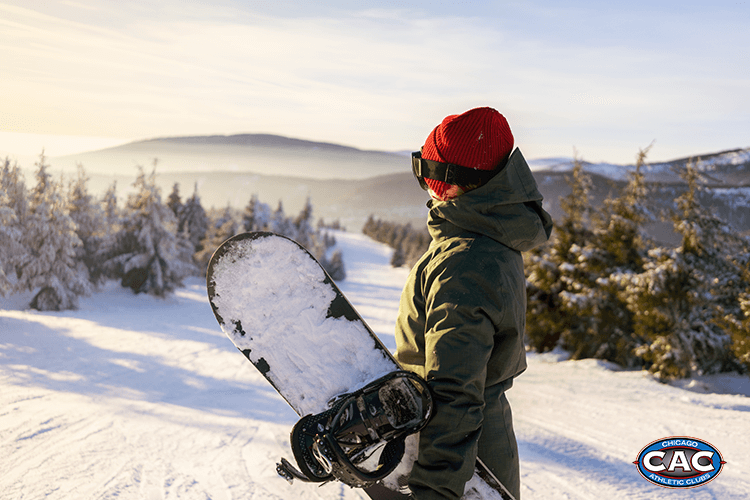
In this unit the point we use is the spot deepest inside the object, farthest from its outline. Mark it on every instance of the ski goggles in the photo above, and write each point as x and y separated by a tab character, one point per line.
450	173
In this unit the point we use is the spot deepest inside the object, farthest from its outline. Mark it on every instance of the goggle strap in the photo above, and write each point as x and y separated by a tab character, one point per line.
450	173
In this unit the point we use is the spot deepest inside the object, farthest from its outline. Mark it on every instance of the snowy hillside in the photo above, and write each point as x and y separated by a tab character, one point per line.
133	397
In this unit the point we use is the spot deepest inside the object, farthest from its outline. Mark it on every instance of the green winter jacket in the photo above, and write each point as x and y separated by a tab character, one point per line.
462	316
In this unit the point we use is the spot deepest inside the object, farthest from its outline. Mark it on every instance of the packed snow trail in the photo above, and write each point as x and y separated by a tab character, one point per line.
134	397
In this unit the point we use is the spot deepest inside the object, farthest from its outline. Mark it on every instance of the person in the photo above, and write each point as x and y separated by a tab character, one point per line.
462	311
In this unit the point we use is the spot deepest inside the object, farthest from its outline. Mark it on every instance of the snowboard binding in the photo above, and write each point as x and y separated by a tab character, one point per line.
341	443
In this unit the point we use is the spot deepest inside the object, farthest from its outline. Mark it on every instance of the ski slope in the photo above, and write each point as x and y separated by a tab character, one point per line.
134	397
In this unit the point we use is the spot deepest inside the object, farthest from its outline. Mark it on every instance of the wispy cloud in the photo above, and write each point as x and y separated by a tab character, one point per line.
375	78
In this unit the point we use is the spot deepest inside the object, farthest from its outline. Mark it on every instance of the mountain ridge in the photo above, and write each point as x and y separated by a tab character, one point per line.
214	153
256	153
349	184
258	140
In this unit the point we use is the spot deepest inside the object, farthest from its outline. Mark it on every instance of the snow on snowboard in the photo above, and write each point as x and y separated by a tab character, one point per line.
359	410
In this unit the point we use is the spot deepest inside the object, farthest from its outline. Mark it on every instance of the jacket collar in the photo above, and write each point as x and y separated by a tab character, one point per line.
508	209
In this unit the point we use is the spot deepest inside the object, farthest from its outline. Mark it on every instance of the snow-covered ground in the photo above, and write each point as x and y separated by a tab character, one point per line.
133	397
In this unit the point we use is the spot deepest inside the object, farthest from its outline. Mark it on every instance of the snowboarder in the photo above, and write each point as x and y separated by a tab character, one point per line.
462	311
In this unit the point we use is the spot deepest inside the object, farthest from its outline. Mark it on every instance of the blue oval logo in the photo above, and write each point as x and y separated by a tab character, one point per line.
679	462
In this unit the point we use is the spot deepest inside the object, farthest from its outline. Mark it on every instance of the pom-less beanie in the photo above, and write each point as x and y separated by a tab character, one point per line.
479	138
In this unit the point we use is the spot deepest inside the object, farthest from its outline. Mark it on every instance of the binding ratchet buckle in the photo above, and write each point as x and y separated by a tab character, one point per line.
343	442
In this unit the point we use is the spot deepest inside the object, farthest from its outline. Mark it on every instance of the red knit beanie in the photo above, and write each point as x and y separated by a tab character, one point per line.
479	138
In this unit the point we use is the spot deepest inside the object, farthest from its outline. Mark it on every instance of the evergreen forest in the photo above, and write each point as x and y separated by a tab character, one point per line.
59	242
603	289
600	288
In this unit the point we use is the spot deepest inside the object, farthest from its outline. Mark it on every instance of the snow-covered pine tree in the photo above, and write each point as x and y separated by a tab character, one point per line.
13	211
557	289
147	254
257	216
111	211
675	298
9	235
192	221
90	224
174	202
50	266
735	320
398	258
619	226
617	245
221	227
13	184
334	266
280	224
249	222
303	226
111	236
219	217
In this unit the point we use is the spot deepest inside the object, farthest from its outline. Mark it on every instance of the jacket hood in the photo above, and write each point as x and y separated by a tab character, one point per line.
508	209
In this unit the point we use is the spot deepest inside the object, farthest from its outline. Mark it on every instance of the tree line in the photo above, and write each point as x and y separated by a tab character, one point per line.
408	243
60	242
601	288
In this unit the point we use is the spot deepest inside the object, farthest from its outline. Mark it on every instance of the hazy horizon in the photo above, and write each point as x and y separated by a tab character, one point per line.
26	148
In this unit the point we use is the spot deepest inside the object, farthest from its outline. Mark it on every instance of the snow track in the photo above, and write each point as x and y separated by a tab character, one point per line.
133	397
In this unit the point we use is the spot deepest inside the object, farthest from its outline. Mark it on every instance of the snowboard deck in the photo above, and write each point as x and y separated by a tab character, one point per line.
286	315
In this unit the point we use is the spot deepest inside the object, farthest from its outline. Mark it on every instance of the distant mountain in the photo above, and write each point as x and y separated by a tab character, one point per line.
249	140
247	153
349	184
725	179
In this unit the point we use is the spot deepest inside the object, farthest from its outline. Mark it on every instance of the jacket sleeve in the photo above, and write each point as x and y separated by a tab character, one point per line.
461	303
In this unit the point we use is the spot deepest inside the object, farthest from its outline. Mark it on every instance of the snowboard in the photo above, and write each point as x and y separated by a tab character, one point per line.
280	308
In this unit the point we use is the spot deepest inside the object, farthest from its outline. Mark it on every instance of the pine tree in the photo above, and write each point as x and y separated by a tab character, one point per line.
13	184
303	229
226	215
50	266
557	288
90	224
280	224
219	230
334	266
111	210
13	211
616	245
675	299
398	259
249	215
192	221
9	235
736	320
620	225
147	254
174	202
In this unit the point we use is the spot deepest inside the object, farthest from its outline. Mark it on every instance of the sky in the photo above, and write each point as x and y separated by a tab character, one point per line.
598	79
